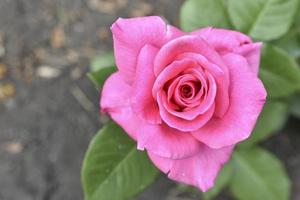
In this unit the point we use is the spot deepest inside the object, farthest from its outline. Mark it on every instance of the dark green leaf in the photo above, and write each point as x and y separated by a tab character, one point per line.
222	181
113	169
272	119
259	175
195	14
263	19
279	72
297	18
295	105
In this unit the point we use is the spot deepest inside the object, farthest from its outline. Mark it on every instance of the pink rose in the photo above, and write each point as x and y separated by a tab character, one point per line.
187	98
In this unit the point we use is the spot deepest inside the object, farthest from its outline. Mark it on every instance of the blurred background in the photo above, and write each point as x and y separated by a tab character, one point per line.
49	108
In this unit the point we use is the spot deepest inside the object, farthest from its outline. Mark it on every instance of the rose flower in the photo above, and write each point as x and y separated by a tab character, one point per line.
186	98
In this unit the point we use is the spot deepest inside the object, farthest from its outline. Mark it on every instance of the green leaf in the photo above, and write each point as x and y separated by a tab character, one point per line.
102	61
297	18
99	77
272	119
195	14
263	19
290	42
101	67
259	175
222	181
279	72
113	169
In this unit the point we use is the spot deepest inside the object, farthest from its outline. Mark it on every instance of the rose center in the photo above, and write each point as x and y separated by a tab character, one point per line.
186	91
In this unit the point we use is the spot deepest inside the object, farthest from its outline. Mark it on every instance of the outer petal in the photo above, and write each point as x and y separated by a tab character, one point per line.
116	93
226	41
115	100
247	98
143	102
199	170
130	35
166	141
252	53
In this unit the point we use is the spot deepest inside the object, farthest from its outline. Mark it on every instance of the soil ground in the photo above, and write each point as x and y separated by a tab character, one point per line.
49	109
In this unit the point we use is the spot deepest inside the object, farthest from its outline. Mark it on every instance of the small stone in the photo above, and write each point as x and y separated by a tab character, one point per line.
103	33
40	54
3	70
13	147
57	38
6	91
47	72
72	56
2	51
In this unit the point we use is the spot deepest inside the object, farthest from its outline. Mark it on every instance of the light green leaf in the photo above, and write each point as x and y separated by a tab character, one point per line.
101	67
279	72
102	61
259	175
113	169
263	19
99	77
222	181
195	14
272	119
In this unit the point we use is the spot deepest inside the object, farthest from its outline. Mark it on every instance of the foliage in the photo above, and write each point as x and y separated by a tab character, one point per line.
112	161
259	175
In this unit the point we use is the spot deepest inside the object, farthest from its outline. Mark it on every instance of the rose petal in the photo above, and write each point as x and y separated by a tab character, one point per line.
199	170
161	139
188	43
179	123
195	44
170	94
166	142
115	100
221	77
252	53
228	41
130	35
222	40
143	102
201	107
170	72
176	93
247	98
115	93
